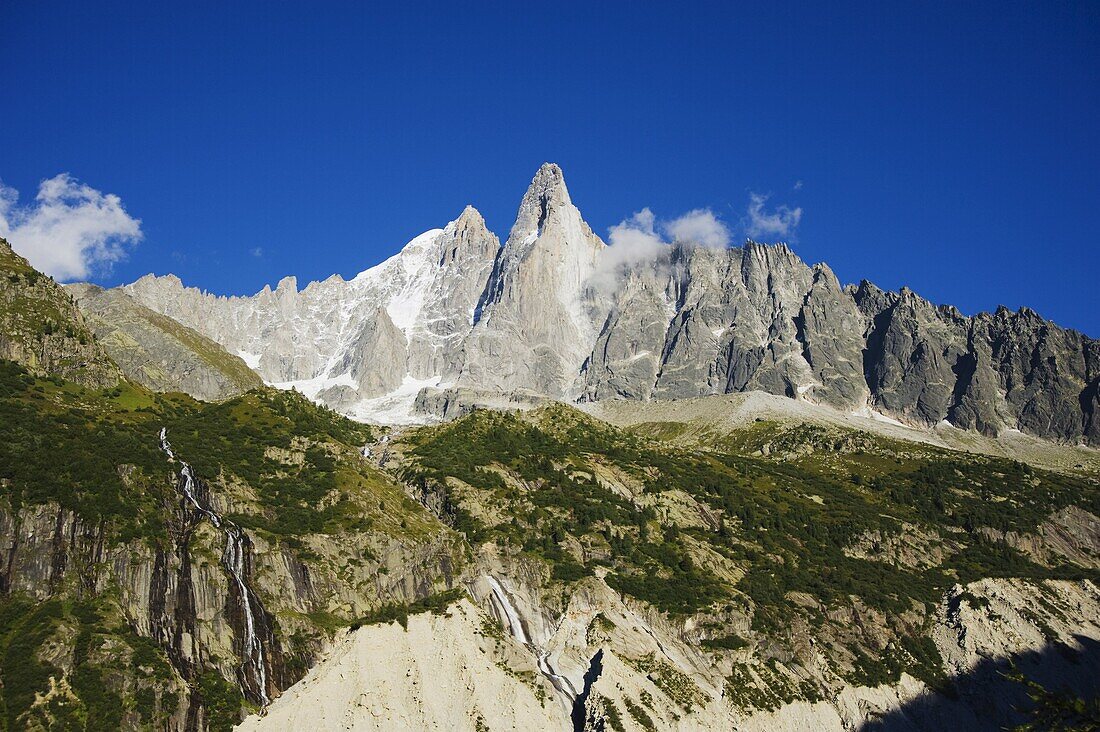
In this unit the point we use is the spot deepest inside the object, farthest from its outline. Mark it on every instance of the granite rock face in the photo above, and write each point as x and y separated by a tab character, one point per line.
327	337
157	352
1006	370
536	315
377	355
711	321
533	327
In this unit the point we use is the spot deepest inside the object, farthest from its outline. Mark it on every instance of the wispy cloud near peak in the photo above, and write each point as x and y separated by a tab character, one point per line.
781	222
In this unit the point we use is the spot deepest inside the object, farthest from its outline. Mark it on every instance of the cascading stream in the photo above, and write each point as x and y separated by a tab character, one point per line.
253	659
566	691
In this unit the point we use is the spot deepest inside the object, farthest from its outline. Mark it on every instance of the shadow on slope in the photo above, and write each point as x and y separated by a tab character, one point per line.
993	696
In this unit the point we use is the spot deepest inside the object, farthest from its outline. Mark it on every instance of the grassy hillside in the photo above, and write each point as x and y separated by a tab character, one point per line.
41	328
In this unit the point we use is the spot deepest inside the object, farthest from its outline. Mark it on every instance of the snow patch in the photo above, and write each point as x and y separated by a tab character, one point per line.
252	360
877	416
395	408
310	388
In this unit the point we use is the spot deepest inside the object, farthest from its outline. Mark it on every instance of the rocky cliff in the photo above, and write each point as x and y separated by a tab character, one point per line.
347	342
168	563
176	564
147	583
537	314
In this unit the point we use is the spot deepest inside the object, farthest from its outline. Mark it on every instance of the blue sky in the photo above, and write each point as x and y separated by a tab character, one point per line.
952	147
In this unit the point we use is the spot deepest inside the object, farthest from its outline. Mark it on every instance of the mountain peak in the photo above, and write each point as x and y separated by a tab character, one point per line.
470	216
546	193
548	185
550	174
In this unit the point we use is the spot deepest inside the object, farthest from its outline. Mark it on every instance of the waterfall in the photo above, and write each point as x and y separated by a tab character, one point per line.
515	626
253	660
566	691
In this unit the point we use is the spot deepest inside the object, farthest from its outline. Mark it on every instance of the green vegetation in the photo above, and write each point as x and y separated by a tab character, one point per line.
103	651
787	524
612	716
436	604
291	468
41	327
222	701
1055	710
552	494
678	686
236	438
65	443
639	714
764	687
21	314
729	643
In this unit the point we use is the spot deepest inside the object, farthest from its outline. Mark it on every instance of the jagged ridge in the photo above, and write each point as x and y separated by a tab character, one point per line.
455	310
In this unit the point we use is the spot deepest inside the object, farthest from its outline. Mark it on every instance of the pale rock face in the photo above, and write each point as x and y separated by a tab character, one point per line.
440	673
629	350
465	256
709	321
348	341
829	326
376	360
533	327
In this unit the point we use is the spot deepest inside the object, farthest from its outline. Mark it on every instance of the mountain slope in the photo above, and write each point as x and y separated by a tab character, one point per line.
98	523
550	313
175	564
158	352
41	328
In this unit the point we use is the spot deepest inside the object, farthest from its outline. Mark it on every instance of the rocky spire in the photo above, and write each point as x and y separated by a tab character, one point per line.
546	193
533	309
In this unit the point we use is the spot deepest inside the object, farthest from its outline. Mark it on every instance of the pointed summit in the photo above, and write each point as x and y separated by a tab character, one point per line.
549	178
532	326
546	194
470	214
470	220
466	237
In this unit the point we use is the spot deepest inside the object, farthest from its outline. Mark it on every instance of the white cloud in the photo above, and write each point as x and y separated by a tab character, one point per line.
779	223
634	239
798	185
256	251
70	229
699	227
642	238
